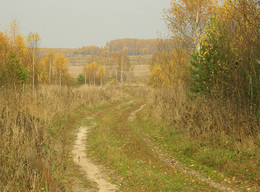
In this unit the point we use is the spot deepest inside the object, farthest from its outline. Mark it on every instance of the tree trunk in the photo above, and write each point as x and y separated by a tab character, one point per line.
60	78
85	78
197	41
33	76
122	73
50	73
116	73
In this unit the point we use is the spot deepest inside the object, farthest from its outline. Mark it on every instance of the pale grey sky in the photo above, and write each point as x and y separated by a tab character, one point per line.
75	23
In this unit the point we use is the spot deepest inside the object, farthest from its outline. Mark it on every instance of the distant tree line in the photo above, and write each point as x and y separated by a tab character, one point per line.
129	46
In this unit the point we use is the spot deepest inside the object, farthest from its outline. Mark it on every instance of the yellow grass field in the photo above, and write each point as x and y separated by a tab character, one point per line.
45	51
140	72
140	63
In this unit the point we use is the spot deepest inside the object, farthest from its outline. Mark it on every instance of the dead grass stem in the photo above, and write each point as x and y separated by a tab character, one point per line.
31	141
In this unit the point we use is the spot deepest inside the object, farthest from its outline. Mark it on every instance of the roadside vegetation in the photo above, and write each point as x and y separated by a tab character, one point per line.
207	86
40	108
37	135
200	109
133	165
211	91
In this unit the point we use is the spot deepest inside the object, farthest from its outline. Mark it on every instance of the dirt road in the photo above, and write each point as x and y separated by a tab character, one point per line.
92	171
137	161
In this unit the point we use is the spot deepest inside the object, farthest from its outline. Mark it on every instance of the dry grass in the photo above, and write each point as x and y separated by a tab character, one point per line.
133	165
215	132
32	152
45	51
75	71
140	59
208	118
141	73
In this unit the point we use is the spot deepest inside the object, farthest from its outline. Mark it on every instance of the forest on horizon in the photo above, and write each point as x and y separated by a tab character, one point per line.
130	46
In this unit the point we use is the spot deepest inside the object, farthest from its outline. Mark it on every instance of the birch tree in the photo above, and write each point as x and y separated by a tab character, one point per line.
101	74
61	67
187	19
33	43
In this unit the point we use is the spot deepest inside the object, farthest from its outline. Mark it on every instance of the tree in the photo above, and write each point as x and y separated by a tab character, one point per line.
105	59
22	49
157	77
47	68
122	66
101	74
33	43
13	73
228	61
4	47
211	67
44	70
13	56
80	79
239	22
86	72
187	19
93	71
50	59
13	31
61	67
169	65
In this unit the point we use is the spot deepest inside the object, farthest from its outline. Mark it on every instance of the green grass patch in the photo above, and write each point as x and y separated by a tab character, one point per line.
217	162
114	143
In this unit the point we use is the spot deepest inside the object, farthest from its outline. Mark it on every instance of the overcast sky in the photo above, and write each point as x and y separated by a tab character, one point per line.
75	23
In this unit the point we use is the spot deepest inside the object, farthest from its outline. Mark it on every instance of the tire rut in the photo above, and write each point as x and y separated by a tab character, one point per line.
178	165
92	171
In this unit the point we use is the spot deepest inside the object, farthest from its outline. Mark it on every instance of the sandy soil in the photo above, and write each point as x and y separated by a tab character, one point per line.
133	114
93	172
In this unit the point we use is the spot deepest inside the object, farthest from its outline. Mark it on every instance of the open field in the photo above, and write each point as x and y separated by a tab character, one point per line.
141	64
75	70
68	52
140	72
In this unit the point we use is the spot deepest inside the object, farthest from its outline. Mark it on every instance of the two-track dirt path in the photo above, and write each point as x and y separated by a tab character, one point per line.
92	171
178	165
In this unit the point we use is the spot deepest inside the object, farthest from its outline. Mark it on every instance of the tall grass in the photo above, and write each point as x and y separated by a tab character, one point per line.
212	131
208	118
31	146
